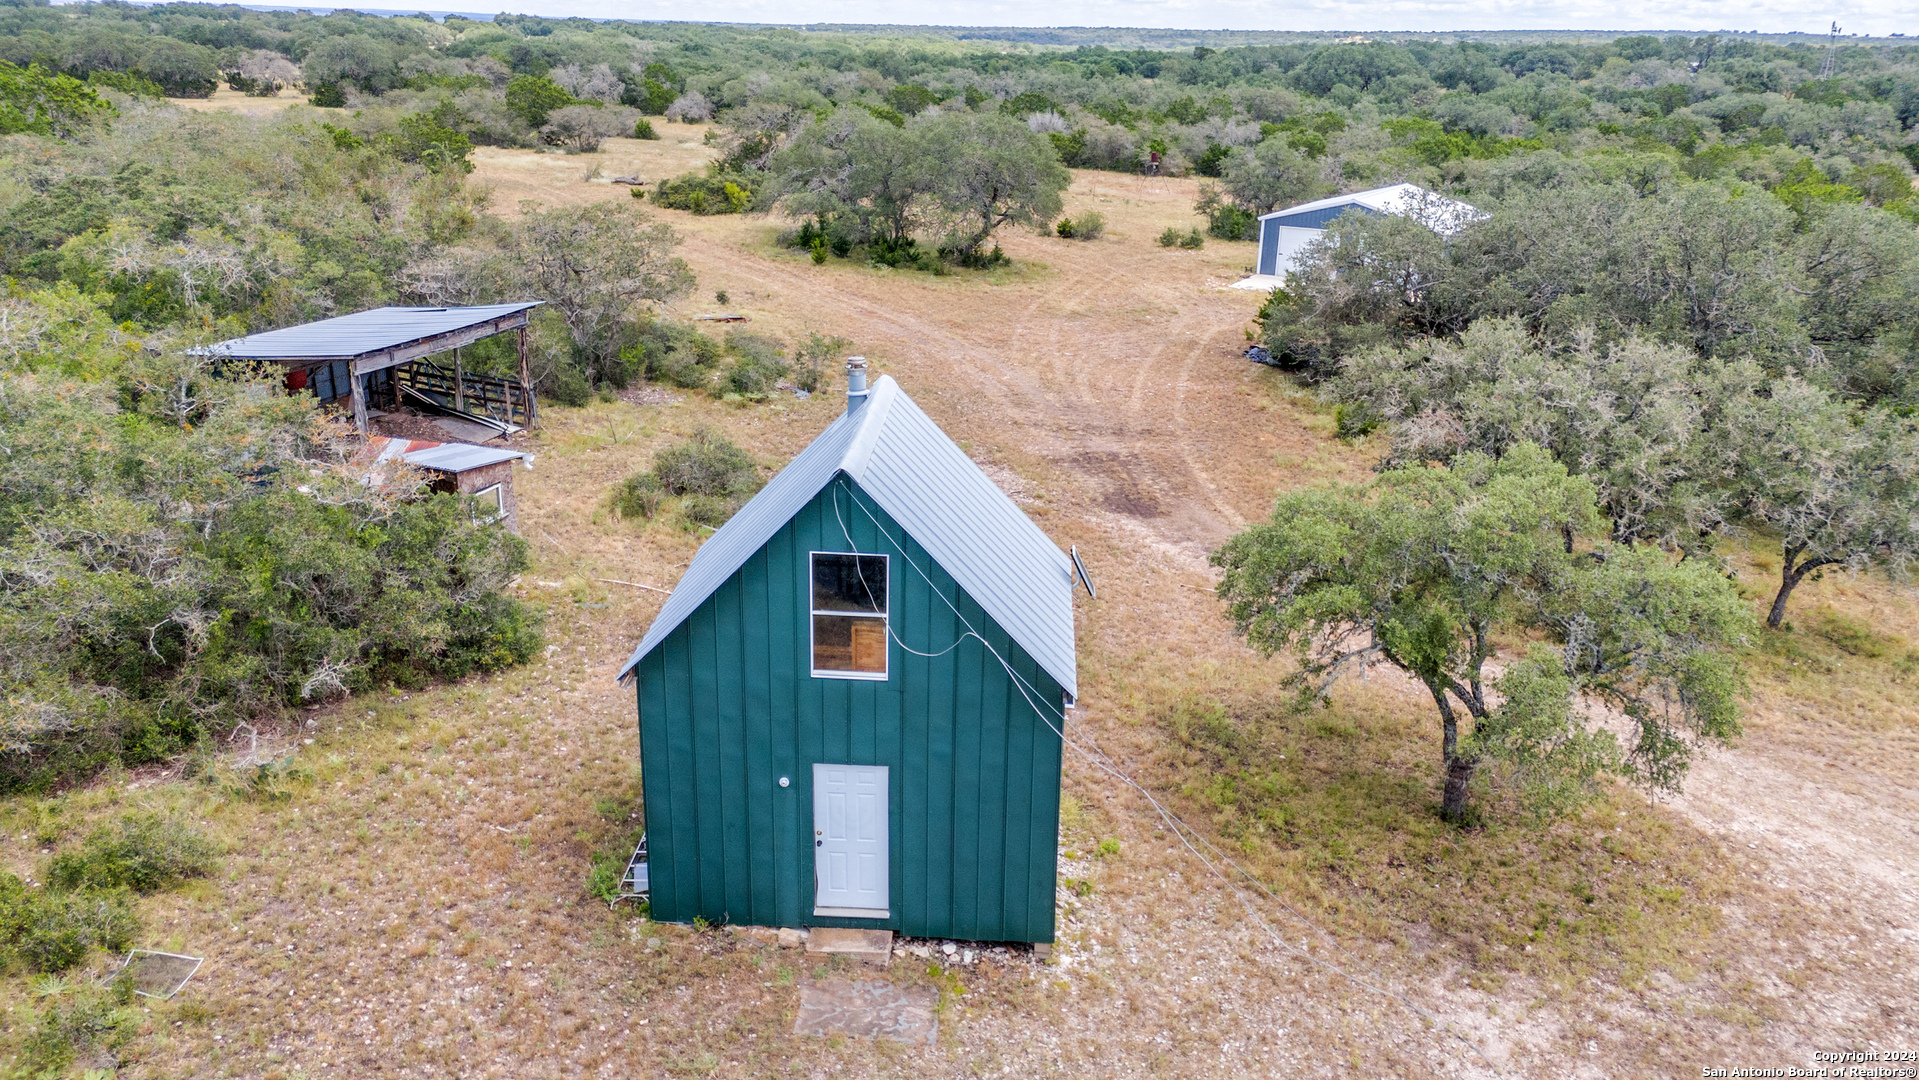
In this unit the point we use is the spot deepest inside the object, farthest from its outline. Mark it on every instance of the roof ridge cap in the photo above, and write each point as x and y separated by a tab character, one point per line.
872	418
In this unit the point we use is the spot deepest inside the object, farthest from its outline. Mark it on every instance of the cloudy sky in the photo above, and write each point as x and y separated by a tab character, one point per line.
1876	17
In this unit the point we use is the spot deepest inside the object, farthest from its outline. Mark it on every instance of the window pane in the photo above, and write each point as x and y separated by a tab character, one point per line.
849	582
849	643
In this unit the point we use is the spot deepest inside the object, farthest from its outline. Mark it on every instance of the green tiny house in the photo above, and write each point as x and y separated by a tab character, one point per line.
852	706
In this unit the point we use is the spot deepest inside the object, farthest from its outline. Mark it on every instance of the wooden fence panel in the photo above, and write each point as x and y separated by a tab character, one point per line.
484	395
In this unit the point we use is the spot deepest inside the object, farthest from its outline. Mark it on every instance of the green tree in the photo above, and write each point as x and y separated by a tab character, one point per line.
181	69
33	101
1369	280
655	96
361	59
1837	484
532	97
992	171
1645	423
431	139
597	266
1427	568
1268	176
860	170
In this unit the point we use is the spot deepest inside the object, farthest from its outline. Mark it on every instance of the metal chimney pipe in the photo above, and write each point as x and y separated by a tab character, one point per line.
855	382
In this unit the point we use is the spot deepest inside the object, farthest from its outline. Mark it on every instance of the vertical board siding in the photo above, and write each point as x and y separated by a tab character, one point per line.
728	705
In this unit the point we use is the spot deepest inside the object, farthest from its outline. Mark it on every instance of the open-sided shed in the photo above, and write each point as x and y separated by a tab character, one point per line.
852	705
381	354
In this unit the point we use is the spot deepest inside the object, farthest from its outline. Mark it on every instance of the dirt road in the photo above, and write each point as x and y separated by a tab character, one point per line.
418	911
1106	376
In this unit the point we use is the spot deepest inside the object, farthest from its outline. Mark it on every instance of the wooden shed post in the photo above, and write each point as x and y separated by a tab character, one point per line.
526	383
359	395
459	382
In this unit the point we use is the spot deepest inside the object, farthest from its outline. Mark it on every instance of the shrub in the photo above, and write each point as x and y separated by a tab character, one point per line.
1192	241
753	377
1091	225
328	96
81	1018
707	510
706	463
52	931
811	356
1354	421
638	497
324	587
1228	222
761	363
432	140
643	129
1171	237
690	108
127	83
978	260
146	853
567	386
1065	228
488	633
716	193
672	353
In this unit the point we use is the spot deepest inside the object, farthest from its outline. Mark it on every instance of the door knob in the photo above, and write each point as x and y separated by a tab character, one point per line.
819	843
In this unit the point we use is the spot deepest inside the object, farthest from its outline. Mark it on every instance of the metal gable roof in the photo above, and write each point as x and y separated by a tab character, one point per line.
362	332
1437	212
907	465
453	457
460	457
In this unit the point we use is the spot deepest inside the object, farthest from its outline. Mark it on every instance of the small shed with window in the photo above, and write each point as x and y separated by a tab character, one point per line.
852	706
484	472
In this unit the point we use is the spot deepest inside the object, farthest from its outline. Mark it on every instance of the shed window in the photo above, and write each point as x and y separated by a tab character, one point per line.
490	503
849	615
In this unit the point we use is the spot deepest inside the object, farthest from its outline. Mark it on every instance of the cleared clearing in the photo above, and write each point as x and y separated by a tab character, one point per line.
416	908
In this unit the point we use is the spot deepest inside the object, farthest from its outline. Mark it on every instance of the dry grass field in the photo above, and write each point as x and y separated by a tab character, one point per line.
414	906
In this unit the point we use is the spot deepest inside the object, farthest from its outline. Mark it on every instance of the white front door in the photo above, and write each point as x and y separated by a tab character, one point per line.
849	841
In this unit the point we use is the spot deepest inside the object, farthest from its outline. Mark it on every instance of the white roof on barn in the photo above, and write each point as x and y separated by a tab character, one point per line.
906	464
1435	211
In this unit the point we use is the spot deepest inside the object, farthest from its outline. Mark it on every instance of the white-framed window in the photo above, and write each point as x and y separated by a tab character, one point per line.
489	503
849	615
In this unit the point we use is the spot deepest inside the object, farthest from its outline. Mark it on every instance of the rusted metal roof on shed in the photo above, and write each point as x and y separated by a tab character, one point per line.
349	336
906	464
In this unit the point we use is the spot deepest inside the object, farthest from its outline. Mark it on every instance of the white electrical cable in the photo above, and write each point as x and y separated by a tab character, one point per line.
1099	759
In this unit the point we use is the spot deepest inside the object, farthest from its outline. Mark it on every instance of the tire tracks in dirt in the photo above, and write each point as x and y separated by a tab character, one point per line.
1020	371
